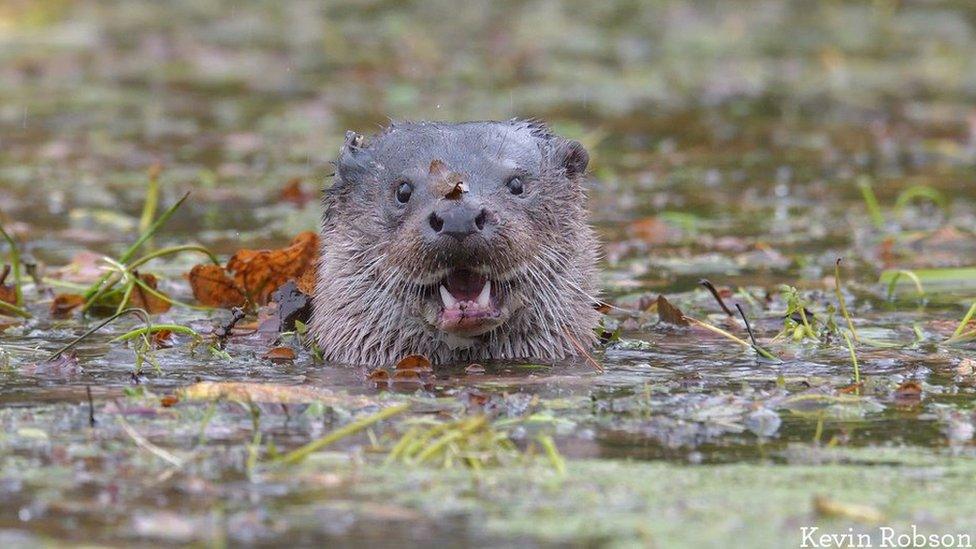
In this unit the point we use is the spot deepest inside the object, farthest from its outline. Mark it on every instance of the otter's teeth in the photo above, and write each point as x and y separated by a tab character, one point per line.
484	298
447	298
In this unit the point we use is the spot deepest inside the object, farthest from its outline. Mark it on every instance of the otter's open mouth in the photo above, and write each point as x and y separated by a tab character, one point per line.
469	305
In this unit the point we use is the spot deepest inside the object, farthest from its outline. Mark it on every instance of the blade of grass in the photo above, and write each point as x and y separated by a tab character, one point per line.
965	320
909	275
166	298
557	460
152	198
138	312
871	201
841	301
850	347
299	454
723	333
175	328
126	256
173	250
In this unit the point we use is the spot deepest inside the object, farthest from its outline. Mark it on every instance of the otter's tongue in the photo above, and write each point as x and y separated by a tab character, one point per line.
467	303
465	289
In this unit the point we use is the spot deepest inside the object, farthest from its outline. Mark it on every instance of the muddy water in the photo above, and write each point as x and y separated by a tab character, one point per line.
727	144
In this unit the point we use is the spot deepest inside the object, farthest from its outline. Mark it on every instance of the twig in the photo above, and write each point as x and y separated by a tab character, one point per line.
91	406
579	348
223	332
752	337
711	288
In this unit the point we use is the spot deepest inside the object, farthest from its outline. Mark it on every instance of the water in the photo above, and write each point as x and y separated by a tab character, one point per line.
726	141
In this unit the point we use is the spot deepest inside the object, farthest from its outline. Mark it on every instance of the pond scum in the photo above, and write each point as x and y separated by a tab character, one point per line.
790	280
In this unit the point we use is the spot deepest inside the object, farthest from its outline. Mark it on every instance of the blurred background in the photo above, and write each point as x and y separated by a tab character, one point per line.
748	118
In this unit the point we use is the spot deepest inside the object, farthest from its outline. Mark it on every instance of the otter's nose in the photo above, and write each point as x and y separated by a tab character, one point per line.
458	221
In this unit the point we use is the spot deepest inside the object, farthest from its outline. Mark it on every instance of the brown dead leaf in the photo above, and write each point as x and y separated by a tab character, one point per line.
167	401
406	375
261	272
280	354
295	192
908	393
212	287
651	230
143	299
417	363
8	294
306	282
669	314
163	339
444	182
64	304
378	375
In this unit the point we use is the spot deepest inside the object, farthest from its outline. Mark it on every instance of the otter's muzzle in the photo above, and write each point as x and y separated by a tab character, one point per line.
458	220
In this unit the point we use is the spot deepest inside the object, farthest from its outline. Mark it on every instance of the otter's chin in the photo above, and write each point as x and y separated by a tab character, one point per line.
468	306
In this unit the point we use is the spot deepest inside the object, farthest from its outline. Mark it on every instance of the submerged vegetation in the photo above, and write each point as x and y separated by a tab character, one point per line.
787	201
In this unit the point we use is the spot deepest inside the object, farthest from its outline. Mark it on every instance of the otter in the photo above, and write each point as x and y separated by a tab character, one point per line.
457	241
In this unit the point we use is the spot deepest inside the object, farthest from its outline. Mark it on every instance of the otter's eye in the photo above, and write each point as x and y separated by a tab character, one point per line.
515	185
403	192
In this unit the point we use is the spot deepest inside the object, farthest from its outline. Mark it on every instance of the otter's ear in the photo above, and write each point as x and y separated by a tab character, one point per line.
354	159
572	156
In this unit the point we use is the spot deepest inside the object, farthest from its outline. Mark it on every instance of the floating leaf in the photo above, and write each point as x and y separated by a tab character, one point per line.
669	314
141	298
64	304
259	273
418	363
280	354
214	288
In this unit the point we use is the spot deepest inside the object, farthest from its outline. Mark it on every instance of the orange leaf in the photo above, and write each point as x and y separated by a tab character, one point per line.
280	354
168	400
143	299
417	363
261	272
294	192
306	282
8	294
64	304
213	288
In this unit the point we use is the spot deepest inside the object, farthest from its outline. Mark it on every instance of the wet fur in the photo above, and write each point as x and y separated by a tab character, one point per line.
376	273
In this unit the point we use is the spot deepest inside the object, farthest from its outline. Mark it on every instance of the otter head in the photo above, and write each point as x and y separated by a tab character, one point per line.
456	241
